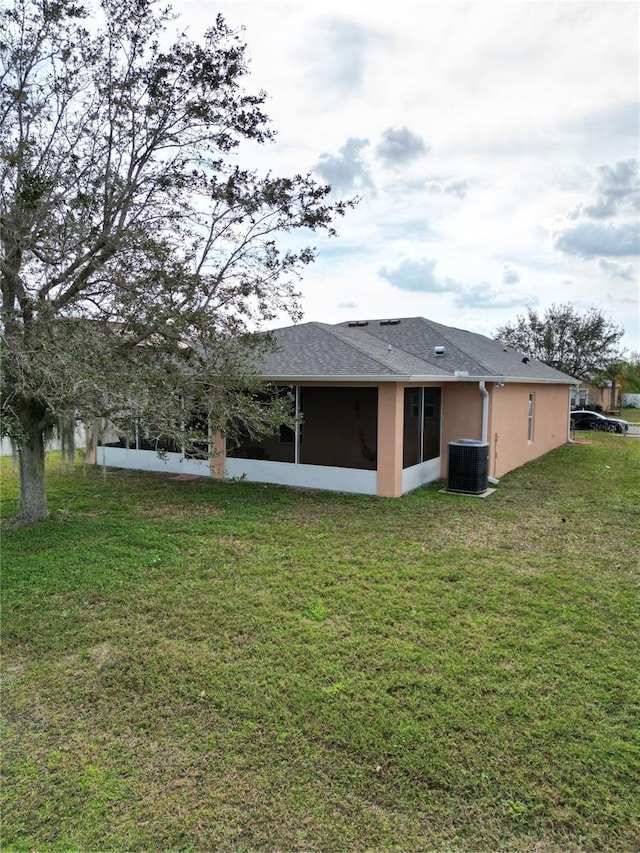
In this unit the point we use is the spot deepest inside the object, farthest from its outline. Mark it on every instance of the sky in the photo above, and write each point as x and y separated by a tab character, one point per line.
494	147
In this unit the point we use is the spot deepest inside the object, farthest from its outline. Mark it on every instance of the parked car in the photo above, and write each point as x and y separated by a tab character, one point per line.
594	420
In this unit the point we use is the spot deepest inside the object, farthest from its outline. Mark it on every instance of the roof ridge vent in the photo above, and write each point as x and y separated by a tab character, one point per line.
389	322
355	323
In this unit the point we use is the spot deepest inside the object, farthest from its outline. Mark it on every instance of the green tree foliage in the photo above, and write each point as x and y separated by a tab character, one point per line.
137	254
630	371
582	345
621	376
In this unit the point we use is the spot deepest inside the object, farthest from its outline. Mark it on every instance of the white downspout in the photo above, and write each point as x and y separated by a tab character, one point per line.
485	421
485	410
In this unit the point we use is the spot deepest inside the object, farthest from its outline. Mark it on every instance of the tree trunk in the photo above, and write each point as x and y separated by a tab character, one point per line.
33	496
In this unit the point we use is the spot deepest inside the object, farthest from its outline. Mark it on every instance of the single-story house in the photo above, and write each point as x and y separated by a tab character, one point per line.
377	403
607	395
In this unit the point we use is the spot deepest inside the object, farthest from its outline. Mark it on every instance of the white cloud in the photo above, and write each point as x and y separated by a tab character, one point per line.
616	191
346	170
399	146
459	187
336	62
414	275
510	274
419	275
528	114
483	295
591	239
606	224
618	270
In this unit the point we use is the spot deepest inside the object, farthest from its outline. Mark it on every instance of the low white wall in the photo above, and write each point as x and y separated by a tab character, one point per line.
254	470
324	477
305	476
419	475
631	400
148	460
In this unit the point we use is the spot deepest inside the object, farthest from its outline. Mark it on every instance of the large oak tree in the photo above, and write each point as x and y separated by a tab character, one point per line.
582	345
137	254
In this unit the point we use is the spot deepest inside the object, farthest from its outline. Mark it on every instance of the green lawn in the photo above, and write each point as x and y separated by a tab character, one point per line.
206	666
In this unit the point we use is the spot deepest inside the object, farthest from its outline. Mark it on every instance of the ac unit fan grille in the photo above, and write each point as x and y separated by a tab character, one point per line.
468	466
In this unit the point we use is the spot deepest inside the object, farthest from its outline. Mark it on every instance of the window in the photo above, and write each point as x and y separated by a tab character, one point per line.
579	398
415	405
431	396
530	418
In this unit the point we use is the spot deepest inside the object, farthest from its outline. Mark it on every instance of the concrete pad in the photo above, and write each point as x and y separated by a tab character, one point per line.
484	494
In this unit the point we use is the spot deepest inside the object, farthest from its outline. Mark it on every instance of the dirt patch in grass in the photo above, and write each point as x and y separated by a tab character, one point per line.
102	654
473	536
12	669
178	511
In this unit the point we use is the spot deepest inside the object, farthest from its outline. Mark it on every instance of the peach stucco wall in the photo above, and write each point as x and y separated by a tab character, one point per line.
508	433
507	424
390	439
461	416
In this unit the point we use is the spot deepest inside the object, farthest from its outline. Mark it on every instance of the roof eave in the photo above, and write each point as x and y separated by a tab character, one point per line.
523	380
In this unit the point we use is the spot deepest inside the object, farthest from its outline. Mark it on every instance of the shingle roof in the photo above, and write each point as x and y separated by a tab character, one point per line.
388	350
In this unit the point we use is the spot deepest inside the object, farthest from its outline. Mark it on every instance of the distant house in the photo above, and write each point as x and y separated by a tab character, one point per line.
377	403
606	394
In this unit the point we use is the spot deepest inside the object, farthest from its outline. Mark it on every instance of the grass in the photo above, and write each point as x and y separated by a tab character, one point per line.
204	666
